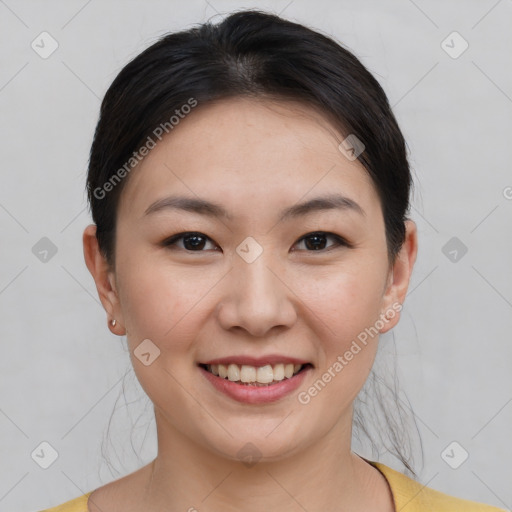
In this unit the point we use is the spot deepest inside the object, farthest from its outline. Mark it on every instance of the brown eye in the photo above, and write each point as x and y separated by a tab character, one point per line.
316	241
196	242
192	241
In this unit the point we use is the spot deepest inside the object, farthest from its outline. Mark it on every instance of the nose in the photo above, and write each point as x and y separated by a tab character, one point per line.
256	299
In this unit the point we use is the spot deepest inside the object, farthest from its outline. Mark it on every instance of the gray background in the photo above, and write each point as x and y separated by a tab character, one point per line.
62	370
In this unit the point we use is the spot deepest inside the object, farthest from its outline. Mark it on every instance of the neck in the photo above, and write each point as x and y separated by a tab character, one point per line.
324	476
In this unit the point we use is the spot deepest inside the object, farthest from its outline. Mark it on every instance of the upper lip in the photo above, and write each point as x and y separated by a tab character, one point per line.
271	359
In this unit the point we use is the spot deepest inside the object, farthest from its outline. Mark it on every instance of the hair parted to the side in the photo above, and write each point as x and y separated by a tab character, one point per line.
257	55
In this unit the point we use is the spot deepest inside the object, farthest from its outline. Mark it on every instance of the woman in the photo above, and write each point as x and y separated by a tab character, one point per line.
250	188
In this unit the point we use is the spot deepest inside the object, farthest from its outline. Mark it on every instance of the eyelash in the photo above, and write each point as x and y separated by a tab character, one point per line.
341	242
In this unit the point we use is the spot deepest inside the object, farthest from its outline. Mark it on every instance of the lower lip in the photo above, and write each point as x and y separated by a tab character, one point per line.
256	394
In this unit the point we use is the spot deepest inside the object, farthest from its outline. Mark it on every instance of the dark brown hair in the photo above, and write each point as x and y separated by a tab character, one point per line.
255	54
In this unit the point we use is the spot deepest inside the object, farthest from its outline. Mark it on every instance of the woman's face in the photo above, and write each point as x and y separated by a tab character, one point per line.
250	287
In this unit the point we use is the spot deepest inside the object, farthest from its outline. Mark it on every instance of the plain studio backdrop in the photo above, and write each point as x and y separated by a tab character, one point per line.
445	66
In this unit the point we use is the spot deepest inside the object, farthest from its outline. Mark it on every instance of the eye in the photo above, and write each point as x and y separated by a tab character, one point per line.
191	241
317	240
195	241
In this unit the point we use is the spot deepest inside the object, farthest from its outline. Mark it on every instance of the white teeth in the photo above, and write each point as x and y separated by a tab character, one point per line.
223	371
265	374
252	374
233	372
279	372
248	373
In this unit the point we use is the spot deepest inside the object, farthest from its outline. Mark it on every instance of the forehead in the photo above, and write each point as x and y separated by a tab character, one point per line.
247	153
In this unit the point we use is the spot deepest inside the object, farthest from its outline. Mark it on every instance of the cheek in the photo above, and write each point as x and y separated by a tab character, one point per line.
154	302
159	307
345	308
165	302
344	301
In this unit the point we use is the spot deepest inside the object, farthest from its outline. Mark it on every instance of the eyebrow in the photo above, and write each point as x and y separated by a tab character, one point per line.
210	209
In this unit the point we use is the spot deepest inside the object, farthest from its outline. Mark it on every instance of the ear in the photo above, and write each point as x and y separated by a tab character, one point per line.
104	278
399	277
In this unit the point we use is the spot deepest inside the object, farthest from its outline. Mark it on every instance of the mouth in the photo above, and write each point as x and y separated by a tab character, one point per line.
257	376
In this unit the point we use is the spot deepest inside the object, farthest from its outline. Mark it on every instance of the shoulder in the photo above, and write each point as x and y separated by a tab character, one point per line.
75	505
418	498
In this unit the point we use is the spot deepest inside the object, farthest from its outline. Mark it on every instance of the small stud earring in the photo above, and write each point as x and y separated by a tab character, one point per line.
113	322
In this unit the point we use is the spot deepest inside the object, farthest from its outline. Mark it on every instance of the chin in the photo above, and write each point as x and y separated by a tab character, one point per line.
250	446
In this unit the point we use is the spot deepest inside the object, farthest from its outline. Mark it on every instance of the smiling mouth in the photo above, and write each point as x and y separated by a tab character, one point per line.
248	375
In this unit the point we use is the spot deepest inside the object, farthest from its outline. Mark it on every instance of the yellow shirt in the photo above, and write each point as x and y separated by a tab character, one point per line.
409	496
